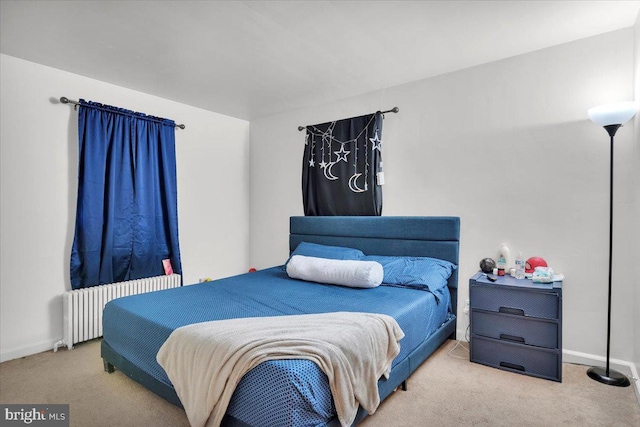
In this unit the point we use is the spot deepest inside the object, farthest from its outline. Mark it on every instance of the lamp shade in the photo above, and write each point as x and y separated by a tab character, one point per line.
615	113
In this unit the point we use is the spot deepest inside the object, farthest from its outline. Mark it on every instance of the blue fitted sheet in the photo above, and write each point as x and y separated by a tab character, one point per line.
275	393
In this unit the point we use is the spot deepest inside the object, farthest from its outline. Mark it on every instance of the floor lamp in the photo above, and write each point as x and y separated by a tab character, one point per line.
611	117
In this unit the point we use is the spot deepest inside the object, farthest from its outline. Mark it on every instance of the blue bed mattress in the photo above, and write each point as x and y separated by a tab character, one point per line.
137	326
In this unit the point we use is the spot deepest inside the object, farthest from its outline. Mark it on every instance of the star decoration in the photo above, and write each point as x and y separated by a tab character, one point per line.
312	163
322	164
377	144
342	154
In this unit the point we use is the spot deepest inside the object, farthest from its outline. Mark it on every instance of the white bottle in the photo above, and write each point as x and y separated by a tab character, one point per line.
503	260
520	263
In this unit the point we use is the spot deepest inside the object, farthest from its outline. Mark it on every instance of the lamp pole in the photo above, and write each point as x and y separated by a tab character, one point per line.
611	119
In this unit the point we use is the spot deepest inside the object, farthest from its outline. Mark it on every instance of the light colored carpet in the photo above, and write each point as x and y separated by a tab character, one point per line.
444	391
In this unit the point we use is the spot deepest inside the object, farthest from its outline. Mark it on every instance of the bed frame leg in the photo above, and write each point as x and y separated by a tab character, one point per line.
404	385
108	367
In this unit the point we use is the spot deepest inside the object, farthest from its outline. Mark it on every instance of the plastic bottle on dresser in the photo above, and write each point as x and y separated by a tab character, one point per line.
503	260
520	264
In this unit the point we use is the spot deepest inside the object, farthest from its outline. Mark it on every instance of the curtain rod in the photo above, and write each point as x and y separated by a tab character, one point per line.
393	110
66	100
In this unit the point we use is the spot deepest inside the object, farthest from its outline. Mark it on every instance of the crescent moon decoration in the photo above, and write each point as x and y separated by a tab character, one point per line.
327	172
353	184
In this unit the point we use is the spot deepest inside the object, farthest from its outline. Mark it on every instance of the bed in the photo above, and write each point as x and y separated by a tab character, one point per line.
295	392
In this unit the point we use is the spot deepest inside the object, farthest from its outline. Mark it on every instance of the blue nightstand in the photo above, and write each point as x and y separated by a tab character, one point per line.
516	325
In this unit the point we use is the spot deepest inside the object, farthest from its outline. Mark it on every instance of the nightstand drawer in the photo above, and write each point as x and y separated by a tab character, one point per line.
520	329
514	301
519	358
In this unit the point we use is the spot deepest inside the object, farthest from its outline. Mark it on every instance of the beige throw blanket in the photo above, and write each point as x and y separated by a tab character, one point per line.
205	361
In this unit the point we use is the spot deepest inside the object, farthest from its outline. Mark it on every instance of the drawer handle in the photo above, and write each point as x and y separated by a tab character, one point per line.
512	366
509	310
514	338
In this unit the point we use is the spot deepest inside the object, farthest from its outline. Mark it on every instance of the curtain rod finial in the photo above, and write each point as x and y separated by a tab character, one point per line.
64	99
301	128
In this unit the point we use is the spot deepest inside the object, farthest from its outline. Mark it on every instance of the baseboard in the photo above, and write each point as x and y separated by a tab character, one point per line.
622	366
28	350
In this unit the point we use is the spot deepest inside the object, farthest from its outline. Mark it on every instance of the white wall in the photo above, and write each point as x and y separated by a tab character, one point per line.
39	183
508	147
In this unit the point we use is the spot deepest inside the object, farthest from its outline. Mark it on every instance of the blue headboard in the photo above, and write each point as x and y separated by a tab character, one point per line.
430	236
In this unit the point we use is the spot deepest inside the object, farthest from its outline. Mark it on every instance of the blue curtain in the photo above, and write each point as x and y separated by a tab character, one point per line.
127	211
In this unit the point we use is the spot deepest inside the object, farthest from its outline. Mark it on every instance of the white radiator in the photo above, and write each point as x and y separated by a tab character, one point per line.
82	308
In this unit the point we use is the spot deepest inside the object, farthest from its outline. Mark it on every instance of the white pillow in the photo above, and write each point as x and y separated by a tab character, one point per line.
351	273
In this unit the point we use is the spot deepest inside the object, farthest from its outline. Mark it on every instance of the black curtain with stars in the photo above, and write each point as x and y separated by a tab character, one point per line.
342	166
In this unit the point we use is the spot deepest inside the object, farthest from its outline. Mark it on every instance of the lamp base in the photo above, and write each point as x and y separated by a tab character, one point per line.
614	378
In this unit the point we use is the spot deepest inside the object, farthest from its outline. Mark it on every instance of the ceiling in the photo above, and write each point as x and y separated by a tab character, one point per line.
249	59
